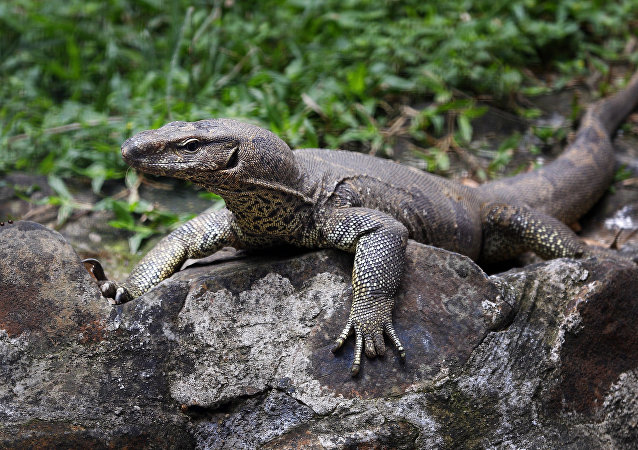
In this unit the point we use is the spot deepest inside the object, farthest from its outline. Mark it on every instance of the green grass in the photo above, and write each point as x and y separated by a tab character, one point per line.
77	77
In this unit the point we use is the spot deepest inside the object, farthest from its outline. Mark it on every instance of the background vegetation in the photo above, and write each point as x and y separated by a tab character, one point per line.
77	77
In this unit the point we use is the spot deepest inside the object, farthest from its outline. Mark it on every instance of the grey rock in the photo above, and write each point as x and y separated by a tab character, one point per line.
233	352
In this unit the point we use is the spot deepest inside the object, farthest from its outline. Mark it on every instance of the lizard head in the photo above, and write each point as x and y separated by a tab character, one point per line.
220	154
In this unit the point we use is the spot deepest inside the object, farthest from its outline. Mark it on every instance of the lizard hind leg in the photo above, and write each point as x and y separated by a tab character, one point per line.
509	230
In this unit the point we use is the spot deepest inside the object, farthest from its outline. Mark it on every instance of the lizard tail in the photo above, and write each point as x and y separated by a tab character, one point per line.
613	110
569	186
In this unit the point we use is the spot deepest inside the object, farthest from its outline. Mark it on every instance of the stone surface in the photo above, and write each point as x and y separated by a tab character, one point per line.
70	377
45	293
233	352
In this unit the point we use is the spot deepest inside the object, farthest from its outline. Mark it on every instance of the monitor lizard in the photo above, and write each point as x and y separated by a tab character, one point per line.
318	198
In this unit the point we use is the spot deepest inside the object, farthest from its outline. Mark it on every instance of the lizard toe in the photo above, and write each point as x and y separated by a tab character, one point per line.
389	330
108	288
95	269
121	296
347	331
369	347
379	344
358	347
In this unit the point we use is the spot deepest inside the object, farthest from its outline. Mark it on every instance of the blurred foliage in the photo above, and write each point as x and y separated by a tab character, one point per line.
77	77
153	221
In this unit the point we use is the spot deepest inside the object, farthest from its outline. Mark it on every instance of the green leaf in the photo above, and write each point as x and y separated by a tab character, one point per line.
59	187
465	128
123	214
623	173
357	79
64	212
135	241
398	83
442	161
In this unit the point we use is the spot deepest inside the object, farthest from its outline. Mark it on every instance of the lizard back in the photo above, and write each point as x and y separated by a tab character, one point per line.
436	211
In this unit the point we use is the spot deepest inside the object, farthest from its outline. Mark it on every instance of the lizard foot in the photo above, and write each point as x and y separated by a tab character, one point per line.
111	290
115	293
370	335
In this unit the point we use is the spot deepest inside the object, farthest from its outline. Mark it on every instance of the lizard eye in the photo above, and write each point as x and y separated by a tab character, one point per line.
190	145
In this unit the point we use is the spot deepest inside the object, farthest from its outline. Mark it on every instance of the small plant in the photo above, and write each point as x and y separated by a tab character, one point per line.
550	135
142	219
504	154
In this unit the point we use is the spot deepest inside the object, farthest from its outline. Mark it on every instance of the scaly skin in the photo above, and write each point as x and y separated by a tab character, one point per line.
317	198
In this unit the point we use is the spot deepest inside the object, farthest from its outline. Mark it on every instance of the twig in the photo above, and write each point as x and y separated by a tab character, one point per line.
213	16
449	142
312	105
37	211
235	70
467	157
133	191
64	128
175	60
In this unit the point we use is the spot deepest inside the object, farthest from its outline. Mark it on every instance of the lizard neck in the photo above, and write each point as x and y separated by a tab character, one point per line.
267	208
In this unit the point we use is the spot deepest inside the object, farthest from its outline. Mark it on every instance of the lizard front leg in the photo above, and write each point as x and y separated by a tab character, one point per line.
378	242
199	237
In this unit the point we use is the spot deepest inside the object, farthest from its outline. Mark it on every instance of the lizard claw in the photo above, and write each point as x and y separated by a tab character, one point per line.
374	343
347	331
369	347
358	344
121	296
115	293
94	267
379	344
